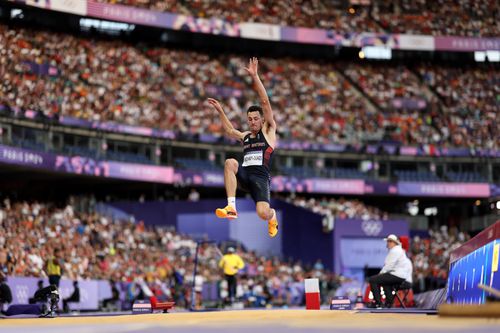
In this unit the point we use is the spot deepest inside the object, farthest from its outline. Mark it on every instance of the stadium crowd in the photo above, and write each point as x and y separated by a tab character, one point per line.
461	102
372	79
471	102
431	256
156	87
429	17
314	101
93	246
466	18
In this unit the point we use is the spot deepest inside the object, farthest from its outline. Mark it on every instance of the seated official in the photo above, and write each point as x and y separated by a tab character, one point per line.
33	300
115	295
73	298
397	268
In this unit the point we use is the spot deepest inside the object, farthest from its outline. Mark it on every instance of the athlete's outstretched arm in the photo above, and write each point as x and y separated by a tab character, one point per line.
228	127
261	91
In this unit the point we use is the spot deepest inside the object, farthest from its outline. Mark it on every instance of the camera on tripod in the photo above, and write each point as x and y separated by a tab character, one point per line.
49	296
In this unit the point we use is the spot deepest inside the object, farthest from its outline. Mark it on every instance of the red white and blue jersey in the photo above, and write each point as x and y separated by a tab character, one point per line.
257	154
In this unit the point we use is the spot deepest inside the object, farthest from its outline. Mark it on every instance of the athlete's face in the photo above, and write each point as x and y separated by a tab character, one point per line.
255	121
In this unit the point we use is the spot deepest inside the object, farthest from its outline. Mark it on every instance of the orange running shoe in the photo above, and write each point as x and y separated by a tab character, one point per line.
227	212
272	226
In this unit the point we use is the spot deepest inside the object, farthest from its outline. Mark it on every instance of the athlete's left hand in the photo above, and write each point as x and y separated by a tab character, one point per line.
252	66
215	103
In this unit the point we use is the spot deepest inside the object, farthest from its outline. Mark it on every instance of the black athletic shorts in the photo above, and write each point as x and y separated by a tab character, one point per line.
259	186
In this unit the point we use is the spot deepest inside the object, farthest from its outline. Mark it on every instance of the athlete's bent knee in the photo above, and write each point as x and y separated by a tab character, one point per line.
264	213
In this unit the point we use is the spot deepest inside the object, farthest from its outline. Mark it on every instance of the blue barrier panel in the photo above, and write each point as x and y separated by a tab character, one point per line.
474	263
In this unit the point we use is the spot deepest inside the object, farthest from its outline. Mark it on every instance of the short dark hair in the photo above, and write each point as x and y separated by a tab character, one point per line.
255	108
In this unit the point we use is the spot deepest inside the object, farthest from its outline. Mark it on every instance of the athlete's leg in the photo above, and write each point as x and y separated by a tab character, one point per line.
268	214
230	171
260	189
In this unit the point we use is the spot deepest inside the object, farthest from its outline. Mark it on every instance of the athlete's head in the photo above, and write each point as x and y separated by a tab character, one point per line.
255	118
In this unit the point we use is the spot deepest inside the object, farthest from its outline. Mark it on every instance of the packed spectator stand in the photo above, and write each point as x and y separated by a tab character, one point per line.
314	101
95	246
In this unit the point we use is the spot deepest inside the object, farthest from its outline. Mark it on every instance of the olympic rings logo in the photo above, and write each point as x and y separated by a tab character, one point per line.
22	293
372	228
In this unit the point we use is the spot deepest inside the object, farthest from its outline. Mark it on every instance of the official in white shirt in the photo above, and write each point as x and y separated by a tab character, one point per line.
397	268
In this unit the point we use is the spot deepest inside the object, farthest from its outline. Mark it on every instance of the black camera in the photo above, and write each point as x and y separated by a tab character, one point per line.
50	297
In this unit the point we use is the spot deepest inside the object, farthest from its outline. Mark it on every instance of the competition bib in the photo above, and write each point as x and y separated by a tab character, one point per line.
252	158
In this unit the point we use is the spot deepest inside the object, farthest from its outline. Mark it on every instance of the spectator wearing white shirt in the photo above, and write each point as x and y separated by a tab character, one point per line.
397	268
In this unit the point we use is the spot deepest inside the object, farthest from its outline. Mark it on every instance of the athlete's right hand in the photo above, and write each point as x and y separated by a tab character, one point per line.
215	103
